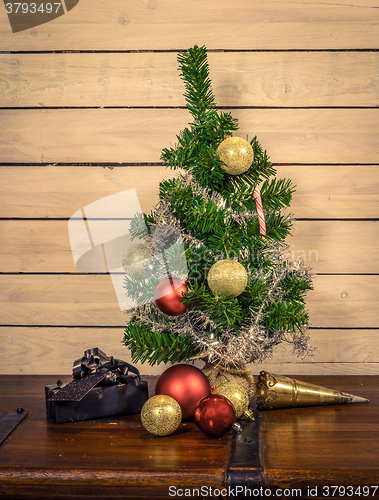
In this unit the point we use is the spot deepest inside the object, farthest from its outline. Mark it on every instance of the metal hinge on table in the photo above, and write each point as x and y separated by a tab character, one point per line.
9	423
245	475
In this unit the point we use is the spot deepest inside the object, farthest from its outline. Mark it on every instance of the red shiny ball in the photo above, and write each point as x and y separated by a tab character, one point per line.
215	415
186	384
168	294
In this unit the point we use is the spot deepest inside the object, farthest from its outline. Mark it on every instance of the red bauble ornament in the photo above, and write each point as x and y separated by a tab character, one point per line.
186	384
167	296
215	415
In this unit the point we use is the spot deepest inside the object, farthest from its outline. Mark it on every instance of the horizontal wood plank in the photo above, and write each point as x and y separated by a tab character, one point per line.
53	350
58	192
340	192
334	346
348	191
152	79
153	25
344	301
325	246
336	246
138	135
90	300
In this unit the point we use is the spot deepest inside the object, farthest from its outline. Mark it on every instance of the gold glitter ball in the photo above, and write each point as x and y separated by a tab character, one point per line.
227	277
236	154
236	395
161	415
136	258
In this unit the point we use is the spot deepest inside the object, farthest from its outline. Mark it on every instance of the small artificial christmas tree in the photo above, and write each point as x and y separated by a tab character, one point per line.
238	295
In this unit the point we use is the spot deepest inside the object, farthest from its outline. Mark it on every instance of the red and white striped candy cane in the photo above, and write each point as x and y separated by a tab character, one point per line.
261	215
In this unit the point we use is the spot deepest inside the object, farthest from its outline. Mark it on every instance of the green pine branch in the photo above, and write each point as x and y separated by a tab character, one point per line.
225	311
156	347
198	94
277	193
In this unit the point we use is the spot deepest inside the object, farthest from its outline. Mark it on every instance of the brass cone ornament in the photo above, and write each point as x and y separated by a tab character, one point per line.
276	391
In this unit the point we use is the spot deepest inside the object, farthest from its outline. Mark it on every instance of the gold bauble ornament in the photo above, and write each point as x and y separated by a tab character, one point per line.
237	396
161	415
227	277
236	154
136	258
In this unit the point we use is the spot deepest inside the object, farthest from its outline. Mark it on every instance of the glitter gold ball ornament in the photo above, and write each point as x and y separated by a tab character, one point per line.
168	294
236	395
227	277
161	415
135	259
236	154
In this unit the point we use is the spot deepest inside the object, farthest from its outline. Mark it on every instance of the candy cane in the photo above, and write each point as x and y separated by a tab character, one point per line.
261	215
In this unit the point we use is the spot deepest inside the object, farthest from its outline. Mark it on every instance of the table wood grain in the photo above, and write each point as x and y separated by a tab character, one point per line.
106	458
325	446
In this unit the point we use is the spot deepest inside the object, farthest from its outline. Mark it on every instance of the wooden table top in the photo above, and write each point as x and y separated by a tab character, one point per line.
325	445
117	458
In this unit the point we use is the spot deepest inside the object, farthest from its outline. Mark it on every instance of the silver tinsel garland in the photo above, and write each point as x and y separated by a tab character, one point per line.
225	347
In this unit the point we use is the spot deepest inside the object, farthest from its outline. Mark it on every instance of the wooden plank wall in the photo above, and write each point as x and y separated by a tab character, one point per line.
89	100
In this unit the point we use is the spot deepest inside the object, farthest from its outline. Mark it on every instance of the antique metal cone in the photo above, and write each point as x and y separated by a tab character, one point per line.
276	391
